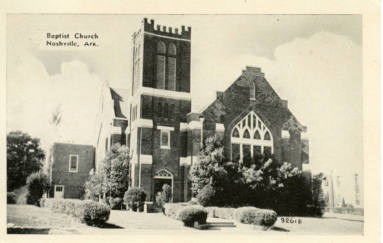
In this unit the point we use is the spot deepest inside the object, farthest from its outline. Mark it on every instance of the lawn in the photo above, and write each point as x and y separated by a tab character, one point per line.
121	222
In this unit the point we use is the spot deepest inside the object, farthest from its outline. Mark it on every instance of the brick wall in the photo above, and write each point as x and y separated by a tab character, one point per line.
73	182
182	60
235	103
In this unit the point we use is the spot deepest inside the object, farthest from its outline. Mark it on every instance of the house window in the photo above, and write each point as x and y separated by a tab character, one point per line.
73	163
165	139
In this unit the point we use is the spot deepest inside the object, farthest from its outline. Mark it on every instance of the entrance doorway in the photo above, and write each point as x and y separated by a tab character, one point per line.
161	178
158	183
59	191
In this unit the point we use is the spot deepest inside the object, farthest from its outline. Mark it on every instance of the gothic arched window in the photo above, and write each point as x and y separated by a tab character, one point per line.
267	136
161	52
235	133
172	67
250	135
246	134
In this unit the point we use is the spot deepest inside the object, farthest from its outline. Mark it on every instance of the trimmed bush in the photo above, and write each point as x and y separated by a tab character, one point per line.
171	209
256	216
224	213
89	212
11	198
135	197
192	213
116	203
206	195
37	184
95	213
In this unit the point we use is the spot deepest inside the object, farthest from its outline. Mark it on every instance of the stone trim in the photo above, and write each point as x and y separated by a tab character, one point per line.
195	125
165	128
219	127
167	37
142	123
285	134
146	159
183	126
163	93
116	130
185	160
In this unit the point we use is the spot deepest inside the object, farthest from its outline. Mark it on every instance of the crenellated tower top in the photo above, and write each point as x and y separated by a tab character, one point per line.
149	26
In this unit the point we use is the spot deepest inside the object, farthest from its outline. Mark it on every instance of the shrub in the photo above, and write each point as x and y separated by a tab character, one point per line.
89	212
206	195
135	197
164	196
11	198
171	209
37	184
256	216
116	203
190	214
224	213
193	201
95	213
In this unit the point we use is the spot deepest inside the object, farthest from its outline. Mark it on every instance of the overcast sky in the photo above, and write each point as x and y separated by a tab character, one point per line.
313	61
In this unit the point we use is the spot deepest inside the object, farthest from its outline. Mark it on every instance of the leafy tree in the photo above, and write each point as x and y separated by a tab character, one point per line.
37	184
318	199
113	178
209	166
116	170
95	186
24	156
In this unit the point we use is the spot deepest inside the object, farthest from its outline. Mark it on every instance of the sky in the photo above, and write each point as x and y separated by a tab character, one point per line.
313	61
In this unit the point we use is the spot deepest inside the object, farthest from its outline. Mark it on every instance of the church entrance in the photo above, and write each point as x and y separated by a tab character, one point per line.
158	183
161	178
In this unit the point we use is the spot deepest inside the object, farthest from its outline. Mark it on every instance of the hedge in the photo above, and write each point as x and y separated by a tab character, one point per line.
193	213
171	209
89	212
255	216
224	213
11	198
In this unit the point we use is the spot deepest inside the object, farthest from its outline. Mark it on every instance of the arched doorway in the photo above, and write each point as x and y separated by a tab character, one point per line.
162	177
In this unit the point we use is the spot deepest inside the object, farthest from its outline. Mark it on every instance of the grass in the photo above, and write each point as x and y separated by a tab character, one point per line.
32	219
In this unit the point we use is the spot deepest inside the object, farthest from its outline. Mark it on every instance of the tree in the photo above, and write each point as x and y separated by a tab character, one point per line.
113	178
116	170
95	186
24	156
37	183
209	165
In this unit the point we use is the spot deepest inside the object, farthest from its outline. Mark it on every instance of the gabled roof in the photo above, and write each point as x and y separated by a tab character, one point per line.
267	95
119	97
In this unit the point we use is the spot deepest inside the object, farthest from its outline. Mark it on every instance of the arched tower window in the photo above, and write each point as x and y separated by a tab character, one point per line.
161	57
172	67
250	136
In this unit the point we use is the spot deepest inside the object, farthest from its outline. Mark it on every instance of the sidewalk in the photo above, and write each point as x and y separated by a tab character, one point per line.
344	216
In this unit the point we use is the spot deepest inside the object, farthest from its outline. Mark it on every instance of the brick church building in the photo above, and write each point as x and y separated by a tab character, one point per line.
153	115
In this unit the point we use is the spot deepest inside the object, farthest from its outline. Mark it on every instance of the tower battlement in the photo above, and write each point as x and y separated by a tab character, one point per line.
149	26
